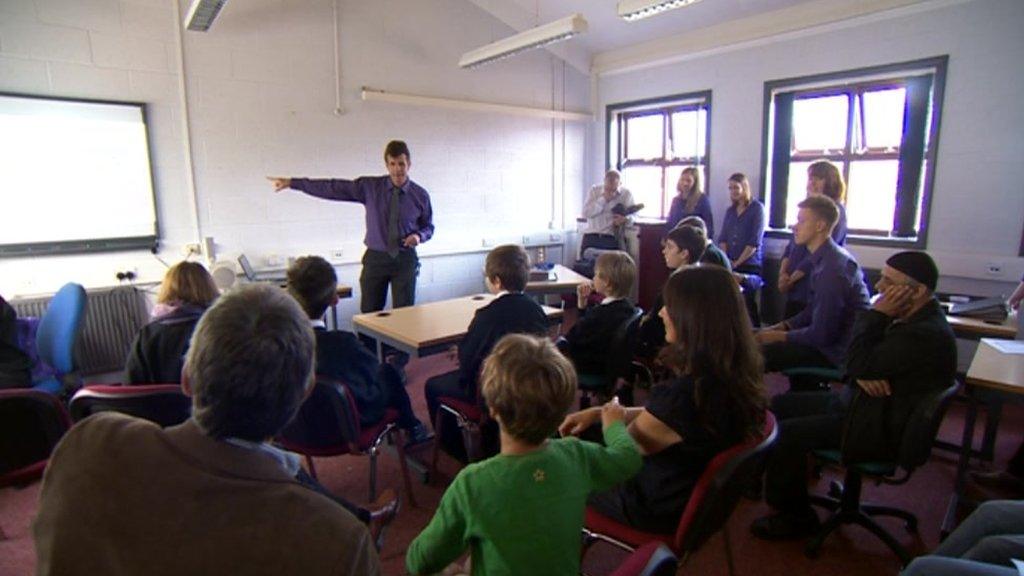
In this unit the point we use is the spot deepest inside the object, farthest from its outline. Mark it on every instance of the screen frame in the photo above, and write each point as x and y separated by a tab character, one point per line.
94	245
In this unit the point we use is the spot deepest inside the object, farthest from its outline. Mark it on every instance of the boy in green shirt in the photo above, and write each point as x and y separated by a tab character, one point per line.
521	512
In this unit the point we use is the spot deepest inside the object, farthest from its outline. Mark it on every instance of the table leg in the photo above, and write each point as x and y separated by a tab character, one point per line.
966	447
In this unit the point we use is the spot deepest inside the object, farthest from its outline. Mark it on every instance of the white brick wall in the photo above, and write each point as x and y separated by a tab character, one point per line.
261	95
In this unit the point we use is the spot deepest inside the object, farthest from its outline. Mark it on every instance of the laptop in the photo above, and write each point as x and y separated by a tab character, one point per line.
253	276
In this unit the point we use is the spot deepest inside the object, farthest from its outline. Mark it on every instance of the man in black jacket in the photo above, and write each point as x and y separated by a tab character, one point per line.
340	355
506	272
902	351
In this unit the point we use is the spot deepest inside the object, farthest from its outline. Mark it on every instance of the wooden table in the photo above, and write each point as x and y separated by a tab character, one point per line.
566	280
994	374
427	328
973	329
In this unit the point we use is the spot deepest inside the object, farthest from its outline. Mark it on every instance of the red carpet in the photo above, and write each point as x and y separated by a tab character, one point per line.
851	551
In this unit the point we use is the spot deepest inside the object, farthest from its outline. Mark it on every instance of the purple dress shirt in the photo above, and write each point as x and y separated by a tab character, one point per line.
740	231
415	214
703	209
798	259
837	294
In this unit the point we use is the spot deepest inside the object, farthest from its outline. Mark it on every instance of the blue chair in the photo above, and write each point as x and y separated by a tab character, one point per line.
58	332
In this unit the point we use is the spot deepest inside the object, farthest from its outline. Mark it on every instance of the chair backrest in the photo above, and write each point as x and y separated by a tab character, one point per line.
720	487
923	426
162	404
60	327
31	424
327	422
623	343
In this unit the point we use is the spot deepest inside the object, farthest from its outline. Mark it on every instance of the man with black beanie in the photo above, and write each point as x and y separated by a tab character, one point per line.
902	351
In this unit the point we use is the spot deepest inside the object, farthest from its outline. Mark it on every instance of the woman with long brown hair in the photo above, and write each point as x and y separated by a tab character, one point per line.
691	201
159	349
716	399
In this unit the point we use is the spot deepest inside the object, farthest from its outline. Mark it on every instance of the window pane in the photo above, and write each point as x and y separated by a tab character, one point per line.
883	118
645	135
820	123
645	184
688	134
871	194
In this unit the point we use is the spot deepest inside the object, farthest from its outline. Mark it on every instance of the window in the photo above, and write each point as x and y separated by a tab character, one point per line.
879	126
651	142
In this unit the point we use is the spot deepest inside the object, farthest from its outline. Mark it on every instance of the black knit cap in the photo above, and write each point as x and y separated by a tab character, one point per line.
917	265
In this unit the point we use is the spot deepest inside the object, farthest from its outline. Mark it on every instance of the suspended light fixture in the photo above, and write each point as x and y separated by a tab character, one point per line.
633	10
202	13
543	35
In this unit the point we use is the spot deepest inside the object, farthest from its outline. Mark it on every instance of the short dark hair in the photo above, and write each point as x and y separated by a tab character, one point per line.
396	148
823	207
695	222
511	264
313	283
530	385
691	239
250	363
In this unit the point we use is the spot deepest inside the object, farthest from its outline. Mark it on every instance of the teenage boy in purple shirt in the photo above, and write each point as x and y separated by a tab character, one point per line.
398	218
820	334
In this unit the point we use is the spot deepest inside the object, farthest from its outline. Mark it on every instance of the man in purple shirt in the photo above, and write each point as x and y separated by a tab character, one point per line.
820	334
398	218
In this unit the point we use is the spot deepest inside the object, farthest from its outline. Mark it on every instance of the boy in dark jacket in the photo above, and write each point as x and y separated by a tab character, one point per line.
340	355
589	343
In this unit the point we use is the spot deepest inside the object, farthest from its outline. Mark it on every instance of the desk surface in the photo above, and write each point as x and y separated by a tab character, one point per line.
971	328
566	280
428	325
994	369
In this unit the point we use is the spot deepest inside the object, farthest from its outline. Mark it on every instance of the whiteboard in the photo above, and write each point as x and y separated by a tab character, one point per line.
76	176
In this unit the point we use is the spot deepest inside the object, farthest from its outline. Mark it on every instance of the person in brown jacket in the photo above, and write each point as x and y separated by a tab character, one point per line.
211	496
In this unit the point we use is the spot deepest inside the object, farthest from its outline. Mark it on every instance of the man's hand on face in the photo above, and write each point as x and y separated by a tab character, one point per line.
895	300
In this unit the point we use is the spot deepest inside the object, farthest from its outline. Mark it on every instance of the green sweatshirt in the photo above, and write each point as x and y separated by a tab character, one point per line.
523	514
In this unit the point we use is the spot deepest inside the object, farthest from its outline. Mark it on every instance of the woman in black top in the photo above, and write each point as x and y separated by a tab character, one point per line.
716	400
159	349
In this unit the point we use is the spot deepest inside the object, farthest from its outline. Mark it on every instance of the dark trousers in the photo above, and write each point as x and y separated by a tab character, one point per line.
450	437
395	396
600	241
781	356
751	291
807	421
362	514
381	270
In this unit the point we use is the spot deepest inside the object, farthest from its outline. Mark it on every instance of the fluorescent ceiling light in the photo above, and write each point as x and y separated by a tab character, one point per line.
543	35
633	10
202	13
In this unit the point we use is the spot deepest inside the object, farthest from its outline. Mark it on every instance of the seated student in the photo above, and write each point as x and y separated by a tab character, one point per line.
712	253
588	342
158	352
901	351
521	511
506	272
15	366
340	355
820	334
683	246
823	178
123	496
986	543
716	400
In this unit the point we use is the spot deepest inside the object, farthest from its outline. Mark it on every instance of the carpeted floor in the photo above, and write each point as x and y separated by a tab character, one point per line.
851	551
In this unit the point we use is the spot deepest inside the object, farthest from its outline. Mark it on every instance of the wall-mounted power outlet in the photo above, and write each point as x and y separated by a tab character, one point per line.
192	248
994	269
337	255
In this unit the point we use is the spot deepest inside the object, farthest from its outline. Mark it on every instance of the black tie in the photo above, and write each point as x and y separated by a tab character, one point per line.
393	223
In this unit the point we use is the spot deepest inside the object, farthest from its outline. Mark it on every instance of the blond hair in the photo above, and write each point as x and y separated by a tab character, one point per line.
187	283
529	385
617	269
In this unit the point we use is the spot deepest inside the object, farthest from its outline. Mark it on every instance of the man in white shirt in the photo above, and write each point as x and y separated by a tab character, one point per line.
601	221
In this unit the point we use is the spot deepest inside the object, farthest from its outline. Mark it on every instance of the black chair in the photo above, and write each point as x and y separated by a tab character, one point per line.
31	424
162	404
620	367
844	499
328	425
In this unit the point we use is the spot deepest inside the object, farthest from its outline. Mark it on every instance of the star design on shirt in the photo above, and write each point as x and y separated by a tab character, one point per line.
538	475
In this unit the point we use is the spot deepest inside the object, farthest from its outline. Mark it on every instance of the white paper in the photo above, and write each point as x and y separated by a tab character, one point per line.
1006	346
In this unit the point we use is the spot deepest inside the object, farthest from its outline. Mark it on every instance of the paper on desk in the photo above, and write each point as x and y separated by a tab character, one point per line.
1006	346
1018	565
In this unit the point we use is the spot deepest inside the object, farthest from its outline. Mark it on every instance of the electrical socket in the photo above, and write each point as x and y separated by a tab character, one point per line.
337	255
192	248
994	269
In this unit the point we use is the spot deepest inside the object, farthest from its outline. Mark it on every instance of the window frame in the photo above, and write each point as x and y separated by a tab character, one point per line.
858	81
616	128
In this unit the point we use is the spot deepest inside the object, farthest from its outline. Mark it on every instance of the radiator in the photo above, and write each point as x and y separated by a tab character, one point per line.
112	318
